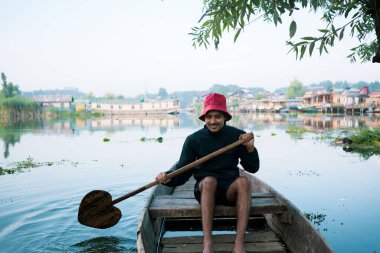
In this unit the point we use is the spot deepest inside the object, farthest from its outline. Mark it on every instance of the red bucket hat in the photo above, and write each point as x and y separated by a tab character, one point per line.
214	101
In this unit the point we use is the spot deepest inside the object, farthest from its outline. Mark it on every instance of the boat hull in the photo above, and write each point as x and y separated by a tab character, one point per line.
296	233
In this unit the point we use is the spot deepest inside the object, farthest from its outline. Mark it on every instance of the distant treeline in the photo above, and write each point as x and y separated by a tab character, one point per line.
186	97
76	93
373	86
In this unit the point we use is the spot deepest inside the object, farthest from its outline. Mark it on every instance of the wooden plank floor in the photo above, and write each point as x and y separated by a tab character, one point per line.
183	204
255	242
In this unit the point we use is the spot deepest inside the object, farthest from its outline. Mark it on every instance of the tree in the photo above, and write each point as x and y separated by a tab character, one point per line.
295	89
89	95
162	93
9	89
224	89
111	95
362	21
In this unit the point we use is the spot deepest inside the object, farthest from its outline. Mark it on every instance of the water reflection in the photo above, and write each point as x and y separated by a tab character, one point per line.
163	122
41	206
104	244
11	134
308	121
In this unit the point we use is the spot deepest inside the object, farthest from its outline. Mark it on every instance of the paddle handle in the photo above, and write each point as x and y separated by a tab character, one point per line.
187	167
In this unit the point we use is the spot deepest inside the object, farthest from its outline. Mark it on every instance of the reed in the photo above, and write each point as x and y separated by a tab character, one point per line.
18	108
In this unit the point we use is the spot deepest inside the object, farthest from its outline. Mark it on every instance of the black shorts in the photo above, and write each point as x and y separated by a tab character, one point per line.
221	192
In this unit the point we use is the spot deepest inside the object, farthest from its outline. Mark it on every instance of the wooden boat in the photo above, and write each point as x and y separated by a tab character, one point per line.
170	222
308	109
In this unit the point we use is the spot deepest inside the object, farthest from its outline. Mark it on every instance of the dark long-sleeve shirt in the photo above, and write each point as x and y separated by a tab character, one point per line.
224	166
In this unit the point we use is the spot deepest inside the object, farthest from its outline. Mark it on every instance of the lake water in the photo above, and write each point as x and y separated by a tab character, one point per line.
38	207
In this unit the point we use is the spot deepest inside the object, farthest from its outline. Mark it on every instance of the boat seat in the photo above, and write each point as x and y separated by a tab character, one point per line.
183	204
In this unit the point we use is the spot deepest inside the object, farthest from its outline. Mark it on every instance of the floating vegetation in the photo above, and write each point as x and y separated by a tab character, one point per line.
106	139
315	218
159	139
26	165
308	173
365	142
273	134
300	131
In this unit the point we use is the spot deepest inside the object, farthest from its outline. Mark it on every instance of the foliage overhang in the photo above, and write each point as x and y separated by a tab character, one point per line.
362	20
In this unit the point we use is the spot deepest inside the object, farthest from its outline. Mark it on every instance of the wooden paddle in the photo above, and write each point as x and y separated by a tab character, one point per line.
97	208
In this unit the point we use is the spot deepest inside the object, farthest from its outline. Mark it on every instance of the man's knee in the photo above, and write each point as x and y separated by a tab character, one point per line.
209	183
243	183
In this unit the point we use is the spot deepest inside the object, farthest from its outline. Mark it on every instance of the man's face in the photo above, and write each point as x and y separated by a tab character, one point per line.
214	120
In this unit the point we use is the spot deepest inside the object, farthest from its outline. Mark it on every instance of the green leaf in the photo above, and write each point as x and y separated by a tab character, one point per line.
332	41
207	23
314	3
325	48
341	34
311	48
355	15
308	38
348	11
292	29
300	43
219	28
323	30
237	34
250	9
321	47
275	17
256	2
303	49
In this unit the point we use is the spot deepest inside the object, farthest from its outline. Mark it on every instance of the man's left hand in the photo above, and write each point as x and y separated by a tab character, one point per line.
250	143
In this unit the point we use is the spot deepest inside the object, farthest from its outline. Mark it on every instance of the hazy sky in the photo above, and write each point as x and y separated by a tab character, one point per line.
130	47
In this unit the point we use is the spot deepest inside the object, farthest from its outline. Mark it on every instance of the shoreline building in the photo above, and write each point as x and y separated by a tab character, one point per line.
145	107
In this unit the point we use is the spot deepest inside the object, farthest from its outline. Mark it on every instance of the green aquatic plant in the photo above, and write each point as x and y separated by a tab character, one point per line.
106	139
315	218
28	163
21	166
297	133
158	139
300	131
365	142
366	137
308	173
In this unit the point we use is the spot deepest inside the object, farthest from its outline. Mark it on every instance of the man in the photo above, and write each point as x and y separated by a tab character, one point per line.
218	180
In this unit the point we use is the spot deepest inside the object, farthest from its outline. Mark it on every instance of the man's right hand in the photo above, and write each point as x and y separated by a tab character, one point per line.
162	178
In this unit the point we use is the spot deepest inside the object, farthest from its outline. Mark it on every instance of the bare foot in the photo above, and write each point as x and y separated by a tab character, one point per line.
207	247
239	247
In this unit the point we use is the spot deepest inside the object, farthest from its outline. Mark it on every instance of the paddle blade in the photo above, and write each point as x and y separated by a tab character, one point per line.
97	211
